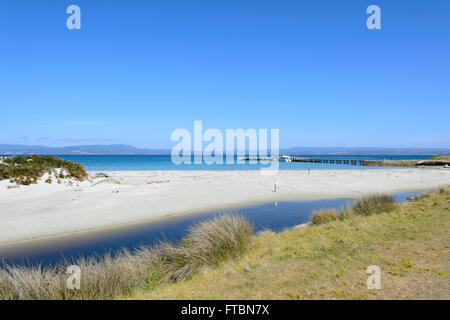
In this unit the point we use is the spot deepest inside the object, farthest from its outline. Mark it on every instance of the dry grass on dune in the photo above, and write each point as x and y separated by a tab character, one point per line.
101	278
106	277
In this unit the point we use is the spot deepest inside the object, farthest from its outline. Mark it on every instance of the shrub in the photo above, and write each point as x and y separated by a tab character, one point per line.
323	216
27	169
26	181
3	173
373	204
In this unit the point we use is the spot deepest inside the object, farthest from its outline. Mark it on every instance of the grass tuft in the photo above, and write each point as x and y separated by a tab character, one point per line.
209	243
365	206
323	216
373	204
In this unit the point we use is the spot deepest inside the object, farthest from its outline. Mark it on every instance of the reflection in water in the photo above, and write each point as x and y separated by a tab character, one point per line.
276	216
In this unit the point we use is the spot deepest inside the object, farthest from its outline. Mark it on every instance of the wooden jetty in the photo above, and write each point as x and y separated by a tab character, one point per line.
329	160
258	158
442	161
383	162
286	158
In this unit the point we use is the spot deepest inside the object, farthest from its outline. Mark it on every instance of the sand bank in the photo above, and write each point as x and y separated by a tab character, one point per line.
43	210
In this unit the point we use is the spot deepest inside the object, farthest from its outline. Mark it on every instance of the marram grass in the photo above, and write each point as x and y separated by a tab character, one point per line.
364	206
107	276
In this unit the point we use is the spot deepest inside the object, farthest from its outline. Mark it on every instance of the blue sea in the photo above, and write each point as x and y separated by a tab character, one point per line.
164	162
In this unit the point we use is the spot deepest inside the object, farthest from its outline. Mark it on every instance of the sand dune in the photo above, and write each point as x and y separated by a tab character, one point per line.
43	210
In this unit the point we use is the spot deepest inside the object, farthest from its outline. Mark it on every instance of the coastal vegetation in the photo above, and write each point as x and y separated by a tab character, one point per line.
107	276
437	160
373	204
220	259
324	216
410	244
25	170
439	157
364	206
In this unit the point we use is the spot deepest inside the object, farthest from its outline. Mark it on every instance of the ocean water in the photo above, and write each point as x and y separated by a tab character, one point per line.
164	162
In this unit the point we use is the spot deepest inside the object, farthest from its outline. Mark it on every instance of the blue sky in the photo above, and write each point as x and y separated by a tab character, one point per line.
137	70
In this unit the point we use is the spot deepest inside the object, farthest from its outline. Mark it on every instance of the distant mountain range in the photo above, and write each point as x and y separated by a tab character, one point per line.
118	149
7	149
365	151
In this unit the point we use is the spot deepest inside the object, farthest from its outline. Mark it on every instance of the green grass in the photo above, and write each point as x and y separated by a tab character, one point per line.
25	170
410	244
324	216
439	157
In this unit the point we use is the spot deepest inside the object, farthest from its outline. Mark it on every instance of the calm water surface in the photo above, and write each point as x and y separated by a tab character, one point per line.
164	162
270	215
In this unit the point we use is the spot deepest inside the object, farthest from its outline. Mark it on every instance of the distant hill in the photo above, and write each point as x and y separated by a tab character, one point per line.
9	149
365	151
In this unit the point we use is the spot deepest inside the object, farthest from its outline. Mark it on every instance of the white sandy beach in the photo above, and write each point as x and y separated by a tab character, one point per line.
44	210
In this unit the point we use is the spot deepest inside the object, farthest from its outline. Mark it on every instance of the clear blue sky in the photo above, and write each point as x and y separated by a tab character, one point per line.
139	69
